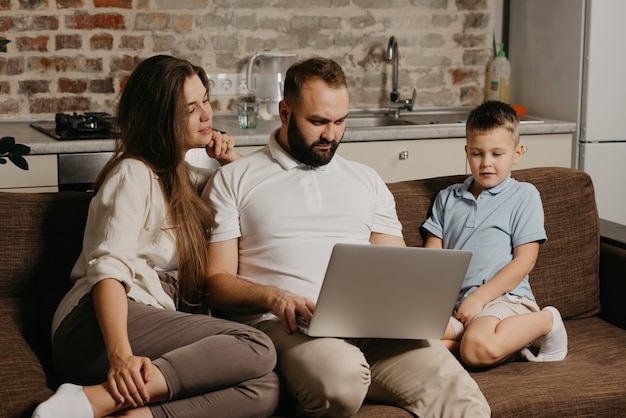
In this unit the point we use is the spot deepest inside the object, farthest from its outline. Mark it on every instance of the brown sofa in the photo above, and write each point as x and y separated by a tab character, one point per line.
579	272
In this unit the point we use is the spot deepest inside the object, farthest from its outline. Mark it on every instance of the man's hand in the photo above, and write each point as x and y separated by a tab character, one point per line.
288	307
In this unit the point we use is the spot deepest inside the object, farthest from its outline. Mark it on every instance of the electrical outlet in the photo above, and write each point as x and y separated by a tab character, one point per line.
223	84
243	84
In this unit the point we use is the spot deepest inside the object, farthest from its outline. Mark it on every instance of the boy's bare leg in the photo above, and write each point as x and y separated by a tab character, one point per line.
489	340
451	337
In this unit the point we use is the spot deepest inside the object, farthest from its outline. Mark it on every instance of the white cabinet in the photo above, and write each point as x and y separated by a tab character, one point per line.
409	159
41	175
550	150
399	160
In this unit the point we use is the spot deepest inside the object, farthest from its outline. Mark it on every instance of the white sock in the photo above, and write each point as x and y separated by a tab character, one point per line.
554	344
69	401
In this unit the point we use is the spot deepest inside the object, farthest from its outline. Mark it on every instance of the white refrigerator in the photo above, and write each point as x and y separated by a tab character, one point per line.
568	63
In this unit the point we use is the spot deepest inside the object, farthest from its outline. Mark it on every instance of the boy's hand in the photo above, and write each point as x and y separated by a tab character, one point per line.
469	308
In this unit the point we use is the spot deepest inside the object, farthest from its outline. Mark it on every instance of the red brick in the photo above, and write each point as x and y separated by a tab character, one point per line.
68	41
10	107
5	87
110	21
3	66
15	66
183	23
45	23
39	44
83	20
69	4
101	41
5	4
101	86
151	21
6	23
31	87
472	4
53	105
67	85
122	4
125	63
476	20
63	64
33	4
131	42
460	75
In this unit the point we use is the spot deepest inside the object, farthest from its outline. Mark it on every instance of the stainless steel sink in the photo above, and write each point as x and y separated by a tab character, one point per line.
451	117
417	117
374	121
438	118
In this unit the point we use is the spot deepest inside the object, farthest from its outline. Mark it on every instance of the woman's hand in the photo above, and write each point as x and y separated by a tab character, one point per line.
128	374
127	378
221	147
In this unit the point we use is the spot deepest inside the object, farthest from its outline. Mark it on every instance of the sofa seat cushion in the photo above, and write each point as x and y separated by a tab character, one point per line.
594	383
381	411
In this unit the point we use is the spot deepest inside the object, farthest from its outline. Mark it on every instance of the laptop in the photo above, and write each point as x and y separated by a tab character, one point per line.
374	291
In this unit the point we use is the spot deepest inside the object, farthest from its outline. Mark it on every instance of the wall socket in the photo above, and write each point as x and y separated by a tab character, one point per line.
228	84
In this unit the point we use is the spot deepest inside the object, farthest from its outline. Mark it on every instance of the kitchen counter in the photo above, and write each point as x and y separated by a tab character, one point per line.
41	143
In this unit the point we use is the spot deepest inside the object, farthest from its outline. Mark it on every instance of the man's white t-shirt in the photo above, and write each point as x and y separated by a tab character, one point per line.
288	216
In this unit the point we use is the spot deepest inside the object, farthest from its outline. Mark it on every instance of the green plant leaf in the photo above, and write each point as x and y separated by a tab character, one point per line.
19	161
3	45
6	143
8	148
19	149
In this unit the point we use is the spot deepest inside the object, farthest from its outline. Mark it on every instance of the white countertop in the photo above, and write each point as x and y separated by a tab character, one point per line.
41	143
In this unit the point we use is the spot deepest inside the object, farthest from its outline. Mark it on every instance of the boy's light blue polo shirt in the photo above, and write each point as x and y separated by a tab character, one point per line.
491	226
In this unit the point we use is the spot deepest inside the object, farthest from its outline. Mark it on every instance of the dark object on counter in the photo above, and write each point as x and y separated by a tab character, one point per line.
88	125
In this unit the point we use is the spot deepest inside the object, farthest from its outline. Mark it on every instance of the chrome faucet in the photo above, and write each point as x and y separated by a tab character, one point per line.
395	103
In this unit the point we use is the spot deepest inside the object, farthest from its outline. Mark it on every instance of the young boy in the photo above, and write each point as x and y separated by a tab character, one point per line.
501	221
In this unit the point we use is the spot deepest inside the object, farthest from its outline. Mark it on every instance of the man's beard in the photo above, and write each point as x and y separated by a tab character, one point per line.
307	154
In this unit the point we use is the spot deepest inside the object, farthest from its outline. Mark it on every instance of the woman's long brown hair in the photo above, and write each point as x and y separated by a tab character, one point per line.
152	119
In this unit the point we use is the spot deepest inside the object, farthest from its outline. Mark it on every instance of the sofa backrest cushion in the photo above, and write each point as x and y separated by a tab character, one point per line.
566	273
40	240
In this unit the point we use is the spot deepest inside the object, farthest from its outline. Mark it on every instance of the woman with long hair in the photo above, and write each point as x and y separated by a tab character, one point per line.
132	337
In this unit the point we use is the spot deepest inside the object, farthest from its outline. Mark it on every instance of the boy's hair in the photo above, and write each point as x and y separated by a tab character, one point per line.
491	115
301	72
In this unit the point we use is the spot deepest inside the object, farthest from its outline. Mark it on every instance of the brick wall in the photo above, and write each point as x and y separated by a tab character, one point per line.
74	55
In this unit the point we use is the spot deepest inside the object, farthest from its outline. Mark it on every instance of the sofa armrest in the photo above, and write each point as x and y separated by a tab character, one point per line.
612	272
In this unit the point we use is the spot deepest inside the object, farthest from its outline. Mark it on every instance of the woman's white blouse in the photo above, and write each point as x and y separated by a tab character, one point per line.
127	237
